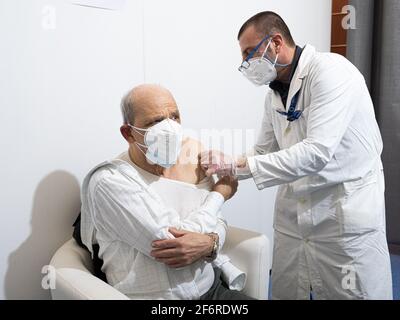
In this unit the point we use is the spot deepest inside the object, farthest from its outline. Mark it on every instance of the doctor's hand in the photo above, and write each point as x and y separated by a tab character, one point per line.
216	162
185	249
227	186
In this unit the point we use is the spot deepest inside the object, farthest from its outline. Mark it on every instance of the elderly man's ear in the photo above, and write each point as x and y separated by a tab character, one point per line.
126	132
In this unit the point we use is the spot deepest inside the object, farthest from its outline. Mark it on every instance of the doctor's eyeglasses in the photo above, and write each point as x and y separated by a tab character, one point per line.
245	64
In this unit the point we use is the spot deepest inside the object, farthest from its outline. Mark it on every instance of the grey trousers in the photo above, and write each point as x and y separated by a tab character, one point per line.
220	291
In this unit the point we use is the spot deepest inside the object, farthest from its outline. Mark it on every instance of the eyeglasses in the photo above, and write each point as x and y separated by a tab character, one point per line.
245	64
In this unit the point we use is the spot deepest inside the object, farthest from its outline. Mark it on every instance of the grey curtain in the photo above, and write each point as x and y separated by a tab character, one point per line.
374	47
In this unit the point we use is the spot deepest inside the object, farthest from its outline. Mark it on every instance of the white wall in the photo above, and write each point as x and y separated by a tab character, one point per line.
59	97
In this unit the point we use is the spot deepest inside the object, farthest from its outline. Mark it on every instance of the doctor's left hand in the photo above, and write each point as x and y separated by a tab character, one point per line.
185	249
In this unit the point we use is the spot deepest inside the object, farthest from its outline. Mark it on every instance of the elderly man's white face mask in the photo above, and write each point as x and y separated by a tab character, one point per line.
163	142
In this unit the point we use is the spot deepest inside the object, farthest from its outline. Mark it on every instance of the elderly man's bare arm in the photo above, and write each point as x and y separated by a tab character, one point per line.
188	247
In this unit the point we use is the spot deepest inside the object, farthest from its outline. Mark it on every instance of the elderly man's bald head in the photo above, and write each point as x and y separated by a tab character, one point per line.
146	104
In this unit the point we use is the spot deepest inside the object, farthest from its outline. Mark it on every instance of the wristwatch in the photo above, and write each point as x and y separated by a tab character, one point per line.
215	248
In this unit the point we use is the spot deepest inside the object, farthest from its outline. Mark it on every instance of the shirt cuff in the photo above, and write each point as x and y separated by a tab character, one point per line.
251	161
235	278
214	202
232	276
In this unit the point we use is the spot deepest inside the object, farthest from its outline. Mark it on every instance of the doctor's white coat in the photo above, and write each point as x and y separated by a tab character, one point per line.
330	211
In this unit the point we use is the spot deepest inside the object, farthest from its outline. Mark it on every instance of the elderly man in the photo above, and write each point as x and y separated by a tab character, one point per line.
153	212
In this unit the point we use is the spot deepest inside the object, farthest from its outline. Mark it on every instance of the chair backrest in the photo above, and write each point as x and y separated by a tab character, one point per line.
97	262
71	255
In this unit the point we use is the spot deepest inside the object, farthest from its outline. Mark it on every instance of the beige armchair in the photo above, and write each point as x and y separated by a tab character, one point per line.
249	251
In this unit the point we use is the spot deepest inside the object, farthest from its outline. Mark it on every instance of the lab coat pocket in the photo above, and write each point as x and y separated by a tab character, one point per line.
361	205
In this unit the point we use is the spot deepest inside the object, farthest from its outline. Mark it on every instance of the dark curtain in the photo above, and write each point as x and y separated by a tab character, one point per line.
374	47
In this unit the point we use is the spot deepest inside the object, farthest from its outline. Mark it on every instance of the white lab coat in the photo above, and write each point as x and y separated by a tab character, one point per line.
330	212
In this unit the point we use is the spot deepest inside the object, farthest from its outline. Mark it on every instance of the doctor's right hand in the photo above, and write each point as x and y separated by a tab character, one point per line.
227	187
216	162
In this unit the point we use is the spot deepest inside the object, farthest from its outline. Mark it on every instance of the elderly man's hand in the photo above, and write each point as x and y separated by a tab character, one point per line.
227	187
185	249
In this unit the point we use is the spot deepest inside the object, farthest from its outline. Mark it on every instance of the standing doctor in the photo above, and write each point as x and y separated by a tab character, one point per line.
321	144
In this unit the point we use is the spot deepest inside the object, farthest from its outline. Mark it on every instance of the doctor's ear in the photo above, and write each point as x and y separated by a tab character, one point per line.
277	42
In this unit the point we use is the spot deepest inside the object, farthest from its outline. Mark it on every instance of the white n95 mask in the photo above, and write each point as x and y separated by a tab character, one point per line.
163	142
260	71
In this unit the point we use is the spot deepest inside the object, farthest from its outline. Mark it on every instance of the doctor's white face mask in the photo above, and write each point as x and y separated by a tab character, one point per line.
163	142
260	70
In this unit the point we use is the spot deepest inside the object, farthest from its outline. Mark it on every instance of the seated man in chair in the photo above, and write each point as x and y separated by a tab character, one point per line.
154	214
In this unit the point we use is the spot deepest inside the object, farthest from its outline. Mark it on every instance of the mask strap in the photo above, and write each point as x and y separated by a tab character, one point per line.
280	65
266	48
276	58
139	145
137	130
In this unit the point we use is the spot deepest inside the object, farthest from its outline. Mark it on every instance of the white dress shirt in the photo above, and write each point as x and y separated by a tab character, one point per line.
125	208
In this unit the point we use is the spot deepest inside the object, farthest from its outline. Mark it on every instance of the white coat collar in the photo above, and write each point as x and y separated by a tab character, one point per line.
302	70
300	74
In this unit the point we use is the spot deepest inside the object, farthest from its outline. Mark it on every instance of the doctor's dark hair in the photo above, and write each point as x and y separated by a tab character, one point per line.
127	109
269	22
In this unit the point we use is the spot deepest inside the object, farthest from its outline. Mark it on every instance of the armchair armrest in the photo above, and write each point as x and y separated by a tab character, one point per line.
74	284
74	279
249	251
